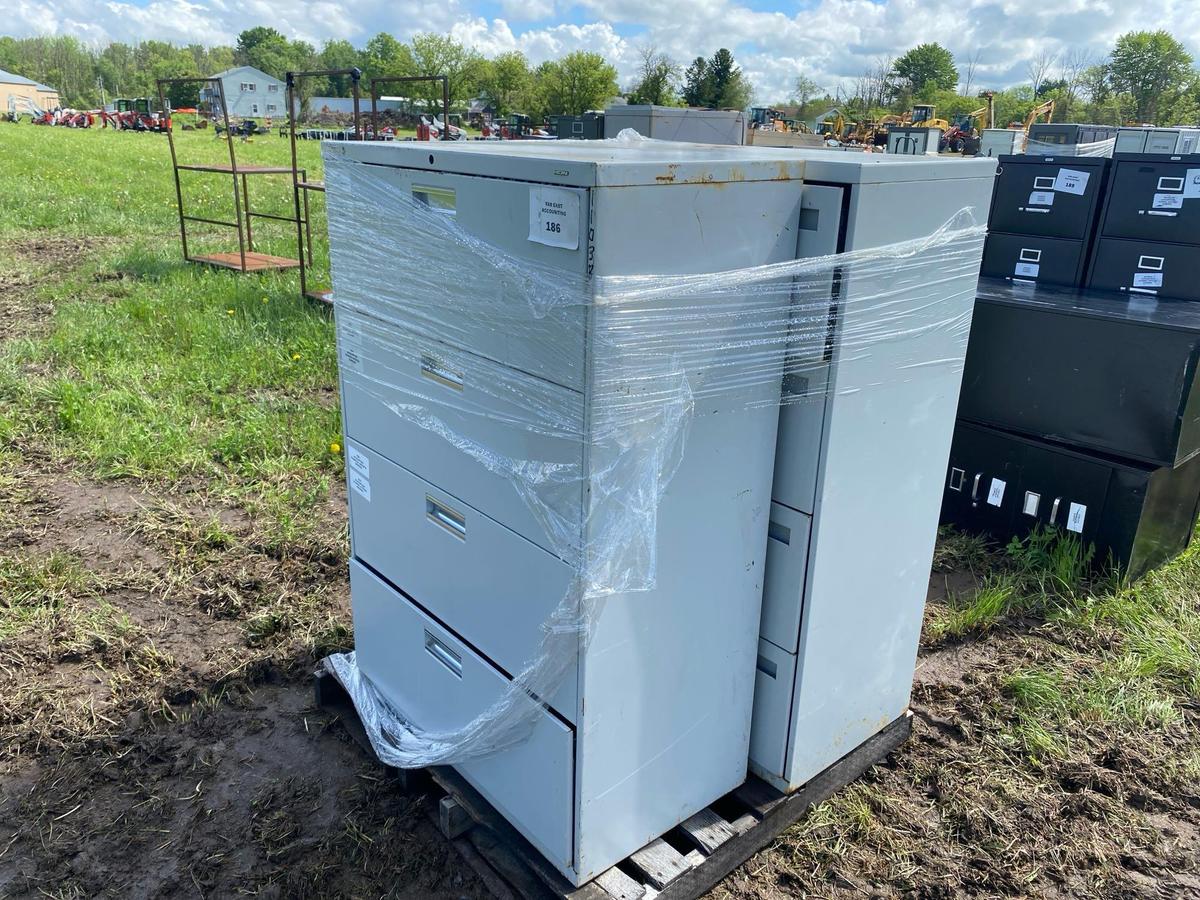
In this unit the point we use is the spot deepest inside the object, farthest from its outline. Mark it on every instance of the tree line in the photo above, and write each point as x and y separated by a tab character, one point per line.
575	83
1148	77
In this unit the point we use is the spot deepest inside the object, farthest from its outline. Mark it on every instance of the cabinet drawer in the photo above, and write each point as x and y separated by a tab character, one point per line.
438	684
774	678
786	568
521	303
466	423
489	584
798	447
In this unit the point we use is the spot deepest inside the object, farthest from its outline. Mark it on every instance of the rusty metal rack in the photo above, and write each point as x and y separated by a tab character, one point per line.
246	259
302	186
410	79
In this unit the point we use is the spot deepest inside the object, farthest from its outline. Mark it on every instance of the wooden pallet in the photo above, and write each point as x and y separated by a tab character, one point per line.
683	864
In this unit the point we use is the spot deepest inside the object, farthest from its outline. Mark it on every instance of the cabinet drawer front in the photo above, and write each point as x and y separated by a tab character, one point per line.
400	391
1026	201
786	568
774	678
489	584
440	685
522	303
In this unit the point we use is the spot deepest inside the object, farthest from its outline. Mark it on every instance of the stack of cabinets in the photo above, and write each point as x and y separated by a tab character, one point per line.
1169	141
477	372
1080	410
1068	139
860	456
1150	232
1043	217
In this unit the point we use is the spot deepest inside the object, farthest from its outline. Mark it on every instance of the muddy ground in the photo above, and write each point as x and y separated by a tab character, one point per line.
158	738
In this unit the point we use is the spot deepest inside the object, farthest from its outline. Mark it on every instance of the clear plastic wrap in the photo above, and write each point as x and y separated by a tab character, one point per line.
554	421
1050	148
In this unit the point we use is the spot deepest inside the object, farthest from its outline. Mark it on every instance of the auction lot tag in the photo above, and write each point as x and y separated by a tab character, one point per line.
1071	181
1168	201
1147	279
1191	184
1028	270
1041	198
996	492
554	217
1075	517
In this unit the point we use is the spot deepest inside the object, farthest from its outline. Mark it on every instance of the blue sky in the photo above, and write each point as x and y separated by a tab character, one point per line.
831	41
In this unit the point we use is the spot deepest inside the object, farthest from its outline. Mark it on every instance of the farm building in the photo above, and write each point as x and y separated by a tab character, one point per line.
16	92
249	92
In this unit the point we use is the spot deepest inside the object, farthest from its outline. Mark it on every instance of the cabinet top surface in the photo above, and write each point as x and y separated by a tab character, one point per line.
581	163
848	167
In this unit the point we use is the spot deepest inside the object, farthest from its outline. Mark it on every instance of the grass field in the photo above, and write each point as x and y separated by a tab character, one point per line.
173	562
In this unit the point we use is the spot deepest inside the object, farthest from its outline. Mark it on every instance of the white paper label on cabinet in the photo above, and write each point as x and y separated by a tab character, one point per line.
996	492
1029	270
1191	184
1147	279
1041	198
358	461
554	217
361	484
1168	201
1075	517
1071	181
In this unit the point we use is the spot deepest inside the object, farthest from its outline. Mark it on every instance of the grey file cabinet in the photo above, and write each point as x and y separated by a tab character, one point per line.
482	374
859	462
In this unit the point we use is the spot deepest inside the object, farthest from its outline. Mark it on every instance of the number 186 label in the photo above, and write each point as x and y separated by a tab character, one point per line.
554	217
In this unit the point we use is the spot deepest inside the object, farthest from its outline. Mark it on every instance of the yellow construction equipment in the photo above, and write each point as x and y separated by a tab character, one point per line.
1044	109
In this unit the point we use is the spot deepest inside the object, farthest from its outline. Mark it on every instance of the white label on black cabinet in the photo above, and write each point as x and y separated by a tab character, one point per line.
1071	181
996	492
1029	270
1167	201
1041	198
1147	279
358	461
554	217
1191	184
1075	517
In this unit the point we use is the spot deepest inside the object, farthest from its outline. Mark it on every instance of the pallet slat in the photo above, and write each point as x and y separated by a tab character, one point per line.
708	830
619	885
660	863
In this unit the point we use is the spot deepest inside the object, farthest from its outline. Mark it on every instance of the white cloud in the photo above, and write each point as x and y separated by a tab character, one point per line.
833	41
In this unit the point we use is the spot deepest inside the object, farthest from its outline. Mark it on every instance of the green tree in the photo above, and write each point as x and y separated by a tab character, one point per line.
384	56
717	83
436	54
574	84
804	90
657	81
505	81
1153	68
338	55
927	66
264	48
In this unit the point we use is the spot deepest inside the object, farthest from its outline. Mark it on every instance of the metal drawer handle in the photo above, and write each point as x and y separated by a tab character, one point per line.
1054	509
436	370
767	667
439	198
781	533
975	486
444	517
438	649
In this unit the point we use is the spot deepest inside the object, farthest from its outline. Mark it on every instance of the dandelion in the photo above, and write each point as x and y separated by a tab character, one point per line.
295	356
229	312
264	299
335	447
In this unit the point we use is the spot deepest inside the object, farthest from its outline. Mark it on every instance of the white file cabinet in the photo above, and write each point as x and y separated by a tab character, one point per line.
478	367
860	460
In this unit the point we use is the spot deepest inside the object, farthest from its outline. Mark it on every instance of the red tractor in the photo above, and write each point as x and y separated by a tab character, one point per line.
136	114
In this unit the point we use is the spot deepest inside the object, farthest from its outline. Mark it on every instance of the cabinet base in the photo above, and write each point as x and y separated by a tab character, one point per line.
684	863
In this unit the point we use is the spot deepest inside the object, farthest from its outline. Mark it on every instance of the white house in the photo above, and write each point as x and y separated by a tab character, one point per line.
249	93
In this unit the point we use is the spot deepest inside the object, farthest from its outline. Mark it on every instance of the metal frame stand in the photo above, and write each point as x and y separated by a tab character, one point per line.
410	79
246	259
301	186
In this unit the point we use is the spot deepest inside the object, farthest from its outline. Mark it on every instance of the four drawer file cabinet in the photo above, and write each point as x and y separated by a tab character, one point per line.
864	433
514	427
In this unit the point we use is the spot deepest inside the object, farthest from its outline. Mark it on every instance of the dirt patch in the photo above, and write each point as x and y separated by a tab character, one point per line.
29	264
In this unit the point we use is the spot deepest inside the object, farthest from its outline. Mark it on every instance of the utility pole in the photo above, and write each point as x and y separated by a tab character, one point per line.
100	84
